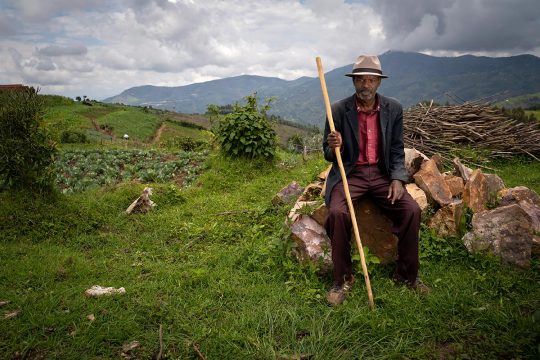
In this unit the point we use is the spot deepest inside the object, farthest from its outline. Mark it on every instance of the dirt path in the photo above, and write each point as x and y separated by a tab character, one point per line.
157	135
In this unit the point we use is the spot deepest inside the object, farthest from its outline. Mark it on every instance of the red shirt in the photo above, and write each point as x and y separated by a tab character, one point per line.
368	128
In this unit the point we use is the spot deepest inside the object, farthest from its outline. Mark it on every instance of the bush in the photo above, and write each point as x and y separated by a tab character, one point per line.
26	149
73	137
246	133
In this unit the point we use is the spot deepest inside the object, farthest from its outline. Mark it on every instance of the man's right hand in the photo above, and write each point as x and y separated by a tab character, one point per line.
334	139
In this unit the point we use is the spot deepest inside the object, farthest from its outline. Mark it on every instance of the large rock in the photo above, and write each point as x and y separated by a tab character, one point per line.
320	214
288	194
506	232
462	170
516	194
494	185
456	184
430	179
413	161
475	193
447	220
535	249
533	211
418	195
312	243
375	230
312	192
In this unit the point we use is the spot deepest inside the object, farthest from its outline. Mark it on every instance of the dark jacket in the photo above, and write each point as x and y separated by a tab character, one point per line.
391	152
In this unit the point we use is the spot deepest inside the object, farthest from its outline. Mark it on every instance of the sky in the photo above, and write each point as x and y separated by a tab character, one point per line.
98	48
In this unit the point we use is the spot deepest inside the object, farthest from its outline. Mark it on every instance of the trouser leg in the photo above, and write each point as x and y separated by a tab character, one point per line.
338	226
405	216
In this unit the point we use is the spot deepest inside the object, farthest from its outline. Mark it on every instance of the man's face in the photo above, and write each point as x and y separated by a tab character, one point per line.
366	86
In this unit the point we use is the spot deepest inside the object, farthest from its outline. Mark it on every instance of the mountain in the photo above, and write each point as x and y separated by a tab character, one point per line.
413	77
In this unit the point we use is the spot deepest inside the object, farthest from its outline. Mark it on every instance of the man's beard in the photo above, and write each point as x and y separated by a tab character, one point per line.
365	95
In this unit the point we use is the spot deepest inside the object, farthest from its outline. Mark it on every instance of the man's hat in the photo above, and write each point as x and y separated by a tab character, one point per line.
367	65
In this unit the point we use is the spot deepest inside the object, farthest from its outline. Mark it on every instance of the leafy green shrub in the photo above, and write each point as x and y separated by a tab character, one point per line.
73	137
26	149
245	132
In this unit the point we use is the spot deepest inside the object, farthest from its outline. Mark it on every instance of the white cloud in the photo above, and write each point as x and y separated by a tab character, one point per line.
100	48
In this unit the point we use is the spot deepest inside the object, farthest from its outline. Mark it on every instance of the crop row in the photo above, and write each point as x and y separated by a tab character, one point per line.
79	170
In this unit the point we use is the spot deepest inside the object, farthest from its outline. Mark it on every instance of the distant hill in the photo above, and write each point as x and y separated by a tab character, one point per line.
413	77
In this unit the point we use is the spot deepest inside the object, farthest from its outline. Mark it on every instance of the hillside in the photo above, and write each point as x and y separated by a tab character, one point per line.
413	77
104	123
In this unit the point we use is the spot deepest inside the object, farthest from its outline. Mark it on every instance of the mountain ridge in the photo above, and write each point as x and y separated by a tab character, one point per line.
413	77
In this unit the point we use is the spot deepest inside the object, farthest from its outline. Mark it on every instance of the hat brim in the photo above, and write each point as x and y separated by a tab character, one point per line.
366	73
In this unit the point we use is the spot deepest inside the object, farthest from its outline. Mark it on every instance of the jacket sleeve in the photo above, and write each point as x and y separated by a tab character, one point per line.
397	152
329	153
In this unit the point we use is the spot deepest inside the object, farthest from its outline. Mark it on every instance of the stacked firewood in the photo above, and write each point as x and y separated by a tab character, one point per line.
446	129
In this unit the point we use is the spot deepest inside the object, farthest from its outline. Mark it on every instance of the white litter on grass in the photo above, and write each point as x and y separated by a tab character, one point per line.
97	290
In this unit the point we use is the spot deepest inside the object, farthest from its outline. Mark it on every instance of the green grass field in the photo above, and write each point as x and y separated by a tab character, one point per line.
212	265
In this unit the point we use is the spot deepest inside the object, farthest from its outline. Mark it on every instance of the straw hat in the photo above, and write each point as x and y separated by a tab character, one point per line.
367	65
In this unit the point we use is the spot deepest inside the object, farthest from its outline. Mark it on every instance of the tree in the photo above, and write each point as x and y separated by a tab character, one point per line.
26	149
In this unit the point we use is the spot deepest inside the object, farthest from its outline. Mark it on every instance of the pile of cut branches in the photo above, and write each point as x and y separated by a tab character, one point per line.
447	130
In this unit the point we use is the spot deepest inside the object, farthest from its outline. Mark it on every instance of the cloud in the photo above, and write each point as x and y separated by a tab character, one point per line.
461	25
100	48
63	50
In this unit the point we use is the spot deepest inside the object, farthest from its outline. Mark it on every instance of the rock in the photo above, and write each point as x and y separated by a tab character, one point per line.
295	211
418	195
320	214
516	194
311	192
96	291
438	161
430	179
313	245
447	220
462	170
288	194
533	211
475	193
494	185
505	231
143	203
535	248
323	175
413	161
456	184
375	230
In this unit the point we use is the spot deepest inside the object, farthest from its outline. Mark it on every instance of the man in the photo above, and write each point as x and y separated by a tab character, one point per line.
369	135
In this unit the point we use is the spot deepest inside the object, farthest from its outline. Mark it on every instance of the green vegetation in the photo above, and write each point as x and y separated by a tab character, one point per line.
134	122
26	148
246	132
212	264
79	170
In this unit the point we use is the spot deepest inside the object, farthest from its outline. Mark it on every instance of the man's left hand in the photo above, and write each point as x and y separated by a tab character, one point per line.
395	191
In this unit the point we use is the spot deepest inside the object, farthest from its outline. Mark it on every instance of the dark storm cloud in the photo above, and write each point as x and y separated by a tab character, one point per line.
460	25
68	50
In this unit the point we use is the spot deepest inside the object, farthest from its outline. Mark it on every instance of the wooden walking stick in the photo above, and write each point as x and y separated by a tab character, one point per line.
345	184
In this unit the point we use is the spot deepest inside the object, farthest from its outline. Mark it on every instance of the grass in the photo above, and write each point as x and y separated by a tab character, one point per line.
212	265
519	171
536	113
132	121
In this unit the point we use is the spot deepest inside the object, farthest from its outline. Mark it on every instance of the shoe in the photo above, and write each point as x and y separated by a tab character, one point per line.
337	293
419	286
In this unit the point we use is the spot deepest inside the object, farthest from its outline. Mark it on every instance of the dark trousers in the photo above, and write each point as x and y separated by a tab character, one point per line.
404	214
